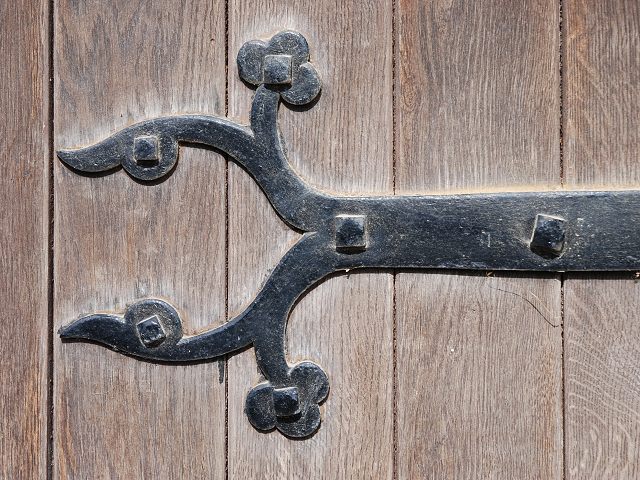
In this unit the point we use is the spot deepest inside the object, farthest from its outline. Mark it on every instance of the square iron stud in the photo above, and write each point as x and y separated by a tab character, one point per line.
277	69
350	233
151	331
285	401
146	150
548	236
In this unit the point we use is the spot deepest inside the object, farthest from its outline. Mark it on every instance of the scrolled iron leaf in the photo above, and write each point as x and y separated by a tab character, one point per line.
100	157
123	332
119	150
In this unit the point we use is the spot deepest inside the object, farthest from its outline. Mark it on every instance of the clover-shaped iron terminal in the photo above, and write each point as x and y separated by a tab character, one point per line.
281	63
294	408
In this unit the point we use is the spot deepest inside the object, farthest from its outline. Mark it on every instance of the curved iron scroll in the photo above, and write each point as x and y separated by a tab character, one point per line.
539	231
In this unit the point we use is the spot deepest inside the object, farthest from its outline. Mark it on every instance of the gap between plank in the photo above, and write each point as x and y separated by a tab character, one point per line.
394	388
226	242
50	234
561	55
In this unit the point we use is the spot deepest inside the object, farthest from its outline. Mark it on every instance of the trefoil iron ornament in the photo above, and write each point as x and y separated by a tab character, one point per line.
553	231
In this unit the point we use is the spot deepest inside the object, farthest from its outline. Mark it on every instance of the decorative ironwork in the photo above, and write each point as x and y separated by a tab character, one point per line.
552	231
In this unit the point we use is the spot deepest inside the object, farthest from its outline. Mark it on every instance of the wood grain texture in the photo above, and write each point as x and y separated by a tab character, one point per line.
602	377
602	141
479	358
117	240
602	93
24	157
478	95
344	143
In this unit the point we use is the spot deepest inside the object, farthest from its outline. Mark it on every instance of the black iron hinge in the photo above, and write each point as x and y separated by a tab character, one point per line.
553	231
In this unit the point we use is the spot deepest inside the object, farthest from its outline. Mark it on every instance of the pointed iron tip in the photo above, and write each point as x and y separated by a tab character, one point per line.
66	331
78	327
100	157
63	154
77	159
66	157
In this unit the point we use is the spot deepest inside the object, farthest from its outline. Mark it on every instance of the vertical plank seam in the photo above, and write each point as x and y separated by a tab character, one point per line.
394	388
561	67
226	241
563	379
395	383
50	233
561	48
394	48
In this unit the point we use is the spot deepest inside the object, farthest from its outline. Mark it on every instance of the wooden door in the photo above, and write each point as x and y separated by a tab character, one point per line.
434	374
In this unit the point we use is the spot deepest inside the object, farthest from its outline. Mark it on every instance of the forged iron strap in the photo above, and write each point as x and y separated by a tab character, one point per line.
539	231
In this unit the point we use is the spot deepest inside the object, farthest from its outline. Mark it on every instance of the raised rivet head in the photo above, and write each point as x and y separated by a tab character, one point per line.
277	69
548	238
151	332
146	150
351	234
286	402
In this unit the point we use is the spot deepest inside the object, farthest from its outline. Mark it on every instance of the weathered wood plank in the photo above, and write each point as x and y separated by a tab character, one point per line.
602	384
602	334
343	143
602	93
24	153
479	357
117	240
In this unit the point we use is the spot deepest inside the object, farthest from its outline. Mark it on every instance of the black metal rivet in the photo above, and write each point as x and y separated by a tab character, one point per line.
350	233
286	402
548	236
277	69
146	150
151	332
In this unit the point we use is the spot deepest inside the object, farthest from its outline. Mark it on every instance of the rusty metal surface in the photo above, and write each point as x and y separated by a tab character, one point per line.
537	231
